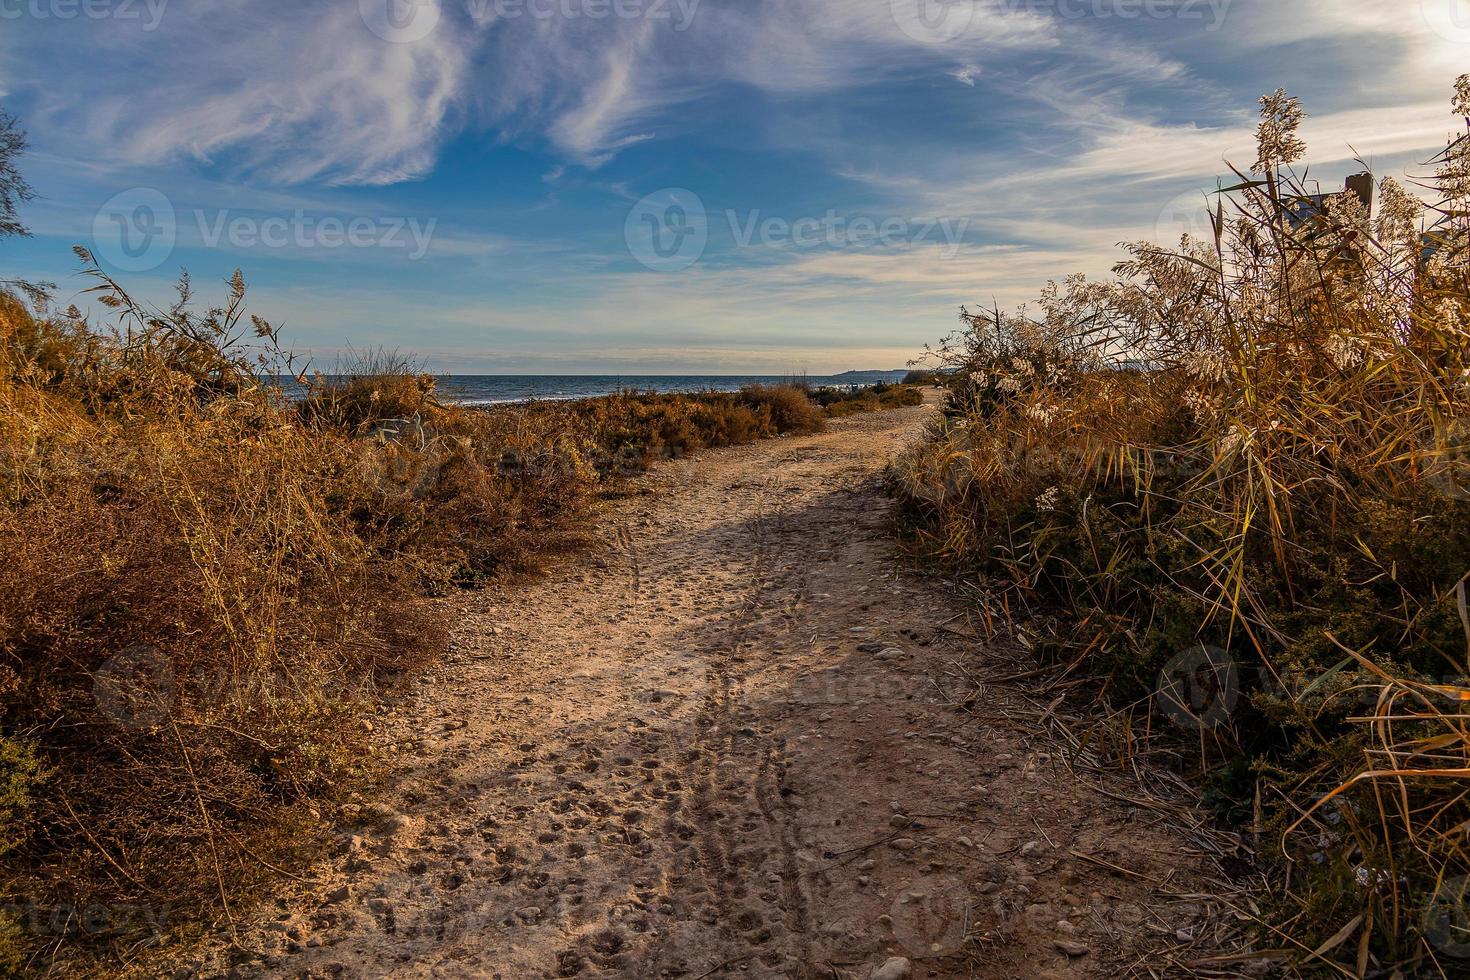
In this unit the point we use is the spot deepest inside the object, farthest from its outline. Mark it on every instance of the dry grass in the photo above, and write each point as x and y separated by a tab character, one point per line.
208	587
1282	479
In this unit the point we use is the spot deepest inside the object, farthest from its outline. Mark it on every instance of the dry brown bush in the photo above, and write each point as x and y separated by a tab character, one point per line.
207	585
1279	476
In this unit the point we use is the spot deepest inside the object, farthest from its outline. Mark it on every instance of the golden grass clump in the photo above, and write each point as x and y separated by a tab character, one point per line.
1254	446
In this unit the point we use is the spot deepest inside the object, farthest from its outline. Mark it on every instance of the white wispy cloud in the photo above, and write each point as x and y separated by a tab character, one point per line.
292	94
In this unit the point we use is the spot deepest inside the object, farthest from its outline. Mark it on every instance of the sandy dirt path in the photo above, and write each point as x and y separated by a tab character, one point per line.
739	741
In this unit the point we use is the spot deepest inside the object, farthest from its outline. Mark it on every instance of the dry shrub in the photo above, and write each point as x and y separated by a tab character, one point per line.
189	627
1255	444
788	407
207	586
839	404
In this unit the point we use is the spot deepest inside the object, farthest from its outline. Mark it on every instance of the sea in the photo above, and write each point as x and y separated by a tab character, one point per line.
503	389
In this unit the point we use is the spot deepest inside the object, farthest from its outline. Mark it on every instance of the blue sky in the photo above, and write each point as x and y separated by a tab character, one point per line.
667	186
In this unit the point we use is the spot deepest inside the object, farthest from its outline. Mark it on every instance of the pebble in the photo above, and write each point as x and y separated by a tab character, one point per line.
529	914
867	865
1072	948
893	968
339	894
903	844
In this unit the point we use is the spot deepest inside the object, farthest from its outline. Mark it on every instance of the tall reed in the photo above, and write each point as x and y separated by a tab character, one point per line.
1237	471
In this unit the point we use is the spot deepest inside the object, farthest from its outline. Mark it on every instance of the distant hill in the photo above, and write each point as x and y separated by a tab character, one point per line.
869	377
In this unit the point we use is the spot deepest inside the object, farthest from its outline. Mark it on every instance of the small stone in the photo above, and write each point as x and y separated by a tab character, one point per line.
903	844
899	820
1032	848
339	894
1072	948
529	914
893	968
867	865
863	881
966	842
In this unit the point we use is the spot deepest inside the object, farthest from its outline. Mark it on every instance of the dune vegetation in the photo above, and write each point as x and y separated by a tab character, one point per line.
209	587
870	399
1228	487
